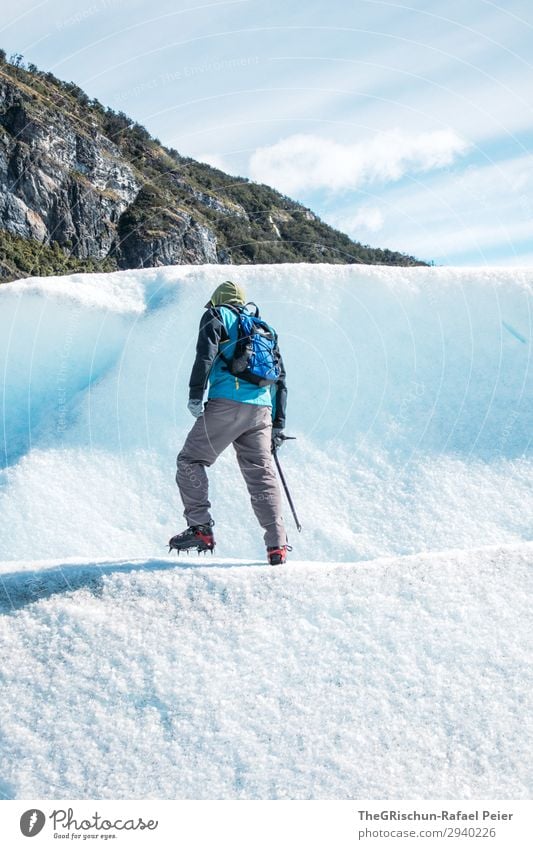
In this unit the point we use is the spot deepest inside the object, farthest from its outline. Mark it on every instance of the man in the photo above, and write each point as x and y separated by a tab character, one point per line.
250	416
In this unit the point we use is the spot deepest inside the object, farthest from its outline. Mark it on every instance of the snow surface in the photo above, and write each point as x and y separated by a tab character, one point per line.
357	671
401	678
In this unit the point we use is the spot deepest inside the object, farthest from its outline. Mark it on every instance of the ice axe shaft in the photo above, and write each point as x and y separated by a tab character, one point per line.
285	487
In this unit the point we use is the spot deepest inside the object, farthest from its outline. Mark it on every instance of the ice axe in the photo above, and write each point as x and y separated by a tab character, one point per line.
284	482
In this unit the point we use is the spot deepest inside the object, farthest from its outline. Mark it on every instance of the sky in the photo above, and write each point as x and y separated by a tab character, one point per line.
407	126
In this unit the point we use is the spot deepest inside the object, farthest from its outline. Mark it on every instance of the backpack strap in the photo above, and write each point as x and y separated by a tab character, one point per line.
237	311
252	304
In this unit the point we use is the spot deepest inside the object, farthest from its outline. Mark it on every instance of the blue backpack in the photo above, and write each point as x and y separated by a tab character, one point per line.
256	356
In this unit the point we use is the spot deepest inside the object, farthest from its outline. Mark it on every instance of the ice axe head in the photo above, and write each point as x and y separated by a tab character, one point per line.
283	438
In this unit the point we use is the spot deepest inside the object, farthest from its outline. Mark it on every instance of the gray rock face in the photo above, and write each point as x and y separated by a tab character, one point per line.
62	180
186	242
211	202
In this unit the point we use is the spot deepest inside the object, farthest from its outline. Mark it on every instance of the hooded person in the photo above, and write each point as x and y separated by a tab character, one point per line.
249	416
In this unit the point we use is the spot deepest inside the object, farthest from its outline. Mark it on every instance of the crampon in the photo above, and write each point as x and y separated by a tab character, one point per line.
277	556
195	538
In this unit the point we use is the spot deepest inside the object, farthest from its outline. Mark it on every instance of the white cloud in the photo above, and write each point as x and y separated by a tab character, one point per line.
303	162
368	218
470	239
478	212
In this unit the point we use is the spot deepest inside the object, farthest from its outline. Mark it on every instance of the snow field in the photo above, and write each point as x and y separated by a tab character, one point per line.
402	678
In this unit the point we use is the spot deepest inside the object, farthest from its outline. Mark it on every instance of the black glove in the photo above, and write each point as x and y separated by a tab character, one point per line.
278	438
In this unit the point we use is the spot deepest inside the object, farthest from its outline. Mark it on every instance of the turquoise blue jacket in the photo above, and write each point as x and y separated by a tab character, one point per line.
218	335
222	384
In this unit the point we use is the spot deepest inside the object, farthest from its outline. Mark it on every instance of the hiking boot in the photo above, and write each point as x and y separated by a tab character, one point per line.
276	555
199	537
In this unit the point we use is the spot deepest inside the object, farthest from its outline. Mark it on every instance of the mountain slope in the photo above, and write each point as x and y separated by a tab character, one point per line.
85	188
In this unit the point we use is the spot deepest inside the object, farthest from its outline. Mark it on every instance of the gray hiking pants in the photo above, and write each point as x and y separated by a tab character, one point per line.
249	428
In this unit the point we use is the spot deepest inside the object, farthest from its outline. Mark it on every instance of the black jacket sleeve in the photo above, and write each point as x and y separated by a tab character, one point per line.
210	334
279	402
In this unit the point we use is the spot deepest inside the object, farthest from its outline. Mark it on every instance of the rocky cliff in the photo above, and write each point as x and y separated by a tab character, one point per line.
59	181
84	187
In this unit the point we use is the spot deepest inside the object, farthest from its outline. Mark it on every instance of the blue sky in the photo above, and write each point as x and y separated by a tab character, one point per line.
408	126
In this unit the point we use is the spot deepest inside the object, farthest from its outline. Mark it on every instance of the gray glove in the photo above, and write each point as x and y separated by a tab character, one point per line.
196	407
278	438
